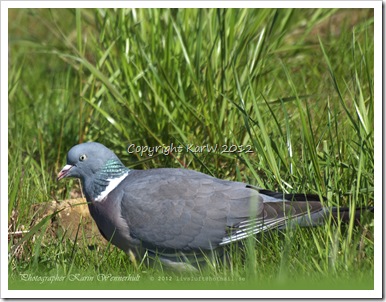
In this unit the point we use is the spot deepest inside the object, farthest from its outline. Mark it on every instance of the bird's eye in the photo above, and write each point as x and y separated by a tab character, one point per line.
82	157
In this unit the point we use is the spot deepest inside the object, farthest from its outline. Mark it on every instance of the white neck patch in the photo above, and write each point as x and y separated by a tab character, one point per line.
113	183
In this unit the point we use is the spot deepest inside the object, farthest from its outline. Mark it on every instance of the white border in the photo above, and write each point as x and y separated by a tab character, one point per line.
378	232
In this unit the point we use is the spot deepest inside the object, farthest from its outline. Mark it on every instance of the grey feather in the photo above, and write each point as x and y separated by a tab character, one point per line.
179	213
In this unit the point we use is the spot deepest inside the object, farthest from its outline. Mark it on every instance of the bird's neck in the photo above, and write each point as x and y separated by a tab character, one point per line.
108	178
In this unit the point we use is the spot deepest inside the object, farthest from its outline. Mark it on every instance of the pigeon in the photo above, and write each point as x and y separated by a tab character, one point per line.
180	216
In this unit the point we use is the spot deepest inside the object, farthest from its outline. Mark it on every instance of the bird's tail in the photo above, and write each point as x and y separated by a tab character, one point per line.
343	214
310	206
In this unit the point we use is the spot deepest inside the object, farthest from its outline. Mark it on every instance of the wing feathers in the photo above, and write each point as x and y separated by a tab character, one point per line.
182	209
274	215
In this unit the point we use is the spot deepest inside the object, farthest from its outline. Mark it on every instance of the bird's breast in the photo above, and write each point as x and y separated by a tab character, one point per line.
107	216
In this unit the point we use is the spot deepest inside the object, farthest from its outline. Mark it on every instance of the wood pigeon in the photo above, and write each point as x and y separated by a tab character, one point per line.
180	215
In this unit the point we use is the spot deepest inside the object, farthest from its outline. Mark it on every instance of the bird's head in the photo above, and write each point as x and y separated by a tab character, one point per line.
88	160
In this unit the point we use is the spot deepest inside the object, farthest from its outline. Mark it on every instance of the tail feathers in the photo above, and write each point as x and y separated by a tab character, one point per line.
344	214
339	215
316	217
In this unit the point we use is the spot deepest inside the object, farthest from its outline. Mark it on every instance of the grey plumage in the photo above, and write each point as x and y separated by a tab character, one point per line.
176	213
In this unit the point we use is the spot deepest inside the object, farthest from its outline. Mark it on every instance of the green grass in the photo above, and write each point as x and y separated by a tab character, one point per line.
296	85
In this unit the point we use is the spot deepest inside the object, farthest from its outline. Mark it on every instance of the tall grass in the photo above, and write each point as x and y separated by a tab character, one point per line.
294	84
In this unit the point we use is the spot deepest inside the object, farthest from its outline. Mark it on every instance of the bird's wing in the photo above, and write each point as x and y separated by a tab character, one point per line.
184	209
176	209
276	214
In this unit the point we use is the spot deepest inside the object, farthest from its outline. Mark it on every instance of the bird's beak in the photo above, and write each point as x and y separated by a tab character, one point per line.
62	174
